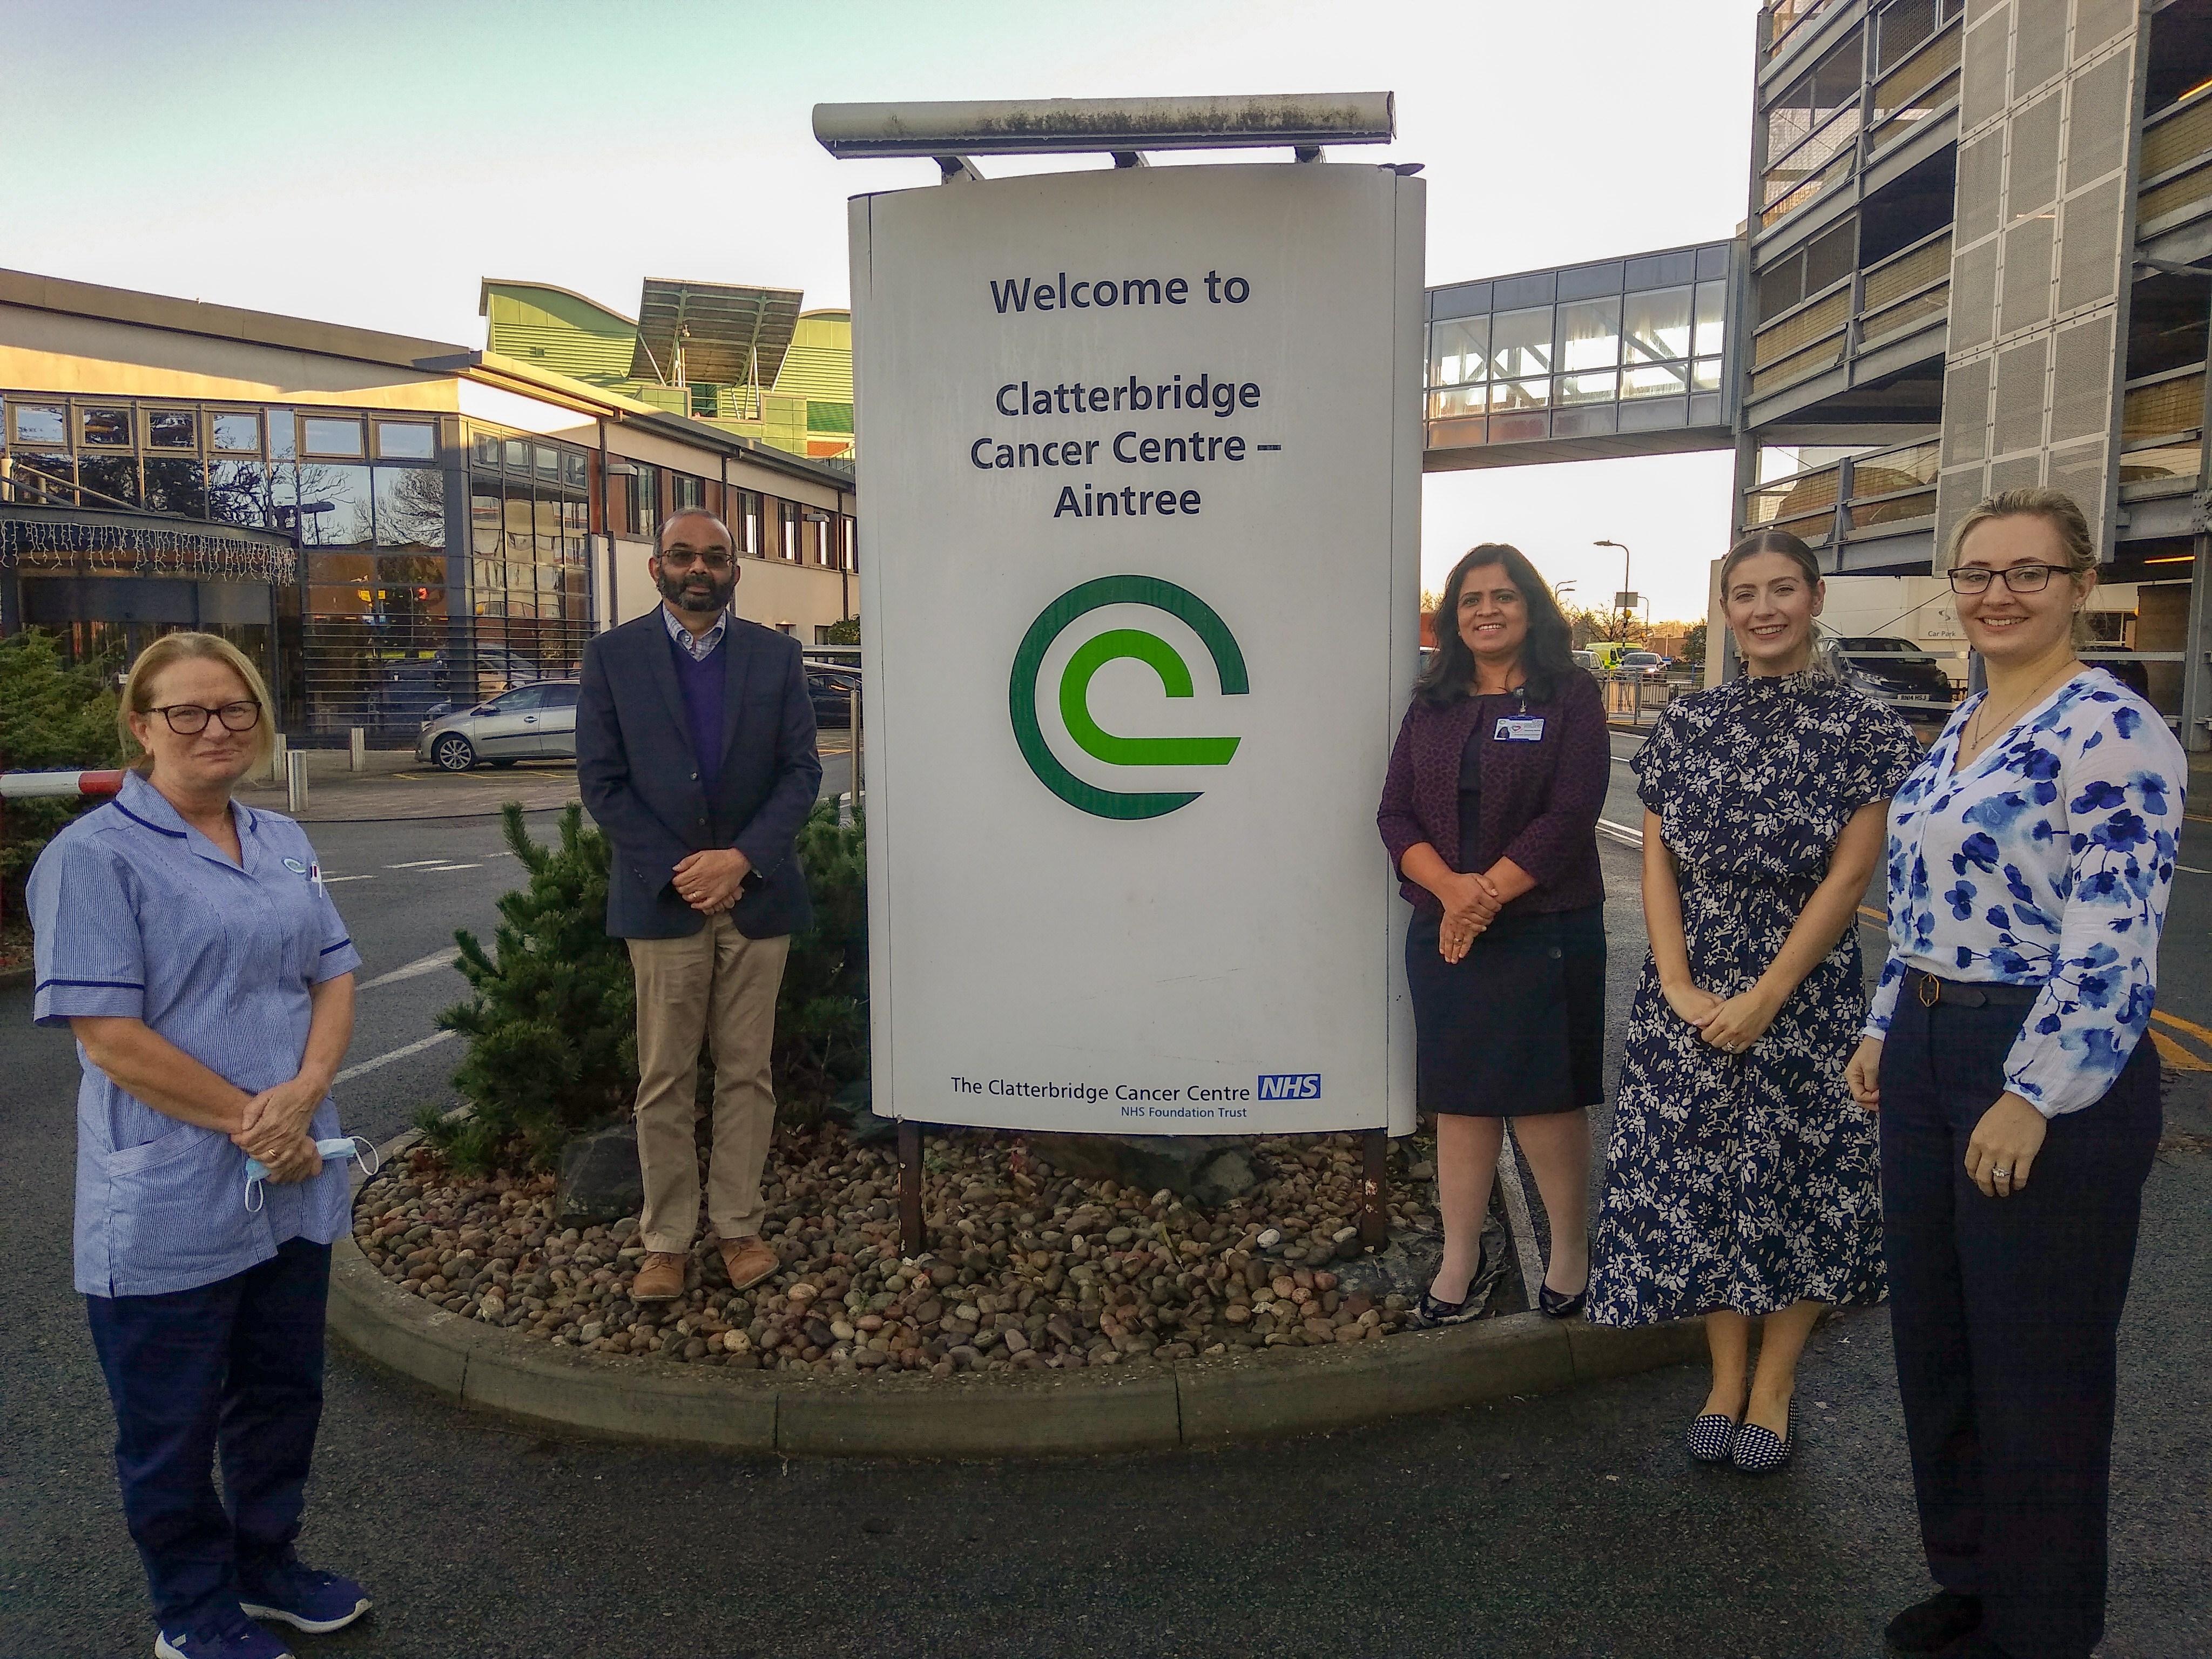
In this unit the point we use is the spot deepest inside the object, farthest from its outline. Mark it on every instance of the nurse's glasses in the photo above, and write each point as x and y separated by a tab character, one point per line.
188	719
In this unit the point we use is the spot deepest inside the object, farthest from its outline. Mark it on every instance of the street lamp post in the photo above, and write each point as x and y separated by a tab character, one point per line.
1621	604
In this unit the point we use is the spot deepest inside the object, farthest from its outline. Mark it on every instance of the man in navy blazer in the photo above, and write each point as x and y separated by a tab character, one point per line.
696	754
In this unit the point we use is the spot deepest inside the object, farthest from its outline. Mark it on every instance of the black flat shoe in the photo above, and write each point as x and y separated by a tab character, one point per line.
1429	1313
1761	1451
1556	1304
1935	1628
1710	1436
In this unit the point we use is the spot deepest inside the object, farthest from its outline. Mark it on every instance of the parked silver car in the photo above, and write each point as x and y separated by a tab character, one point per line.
530	722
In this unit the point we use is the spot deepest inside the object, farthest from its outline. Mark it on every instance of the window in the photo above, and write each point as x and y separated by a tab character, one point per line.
745	521
406	441
787	541
549	462
171	428
1655	326
104	428
1520	344
685	491
521	700
483	451
646	488
573	472
284	434
324	435
175	484
234	433
561	696
39	424
518	455
1459	351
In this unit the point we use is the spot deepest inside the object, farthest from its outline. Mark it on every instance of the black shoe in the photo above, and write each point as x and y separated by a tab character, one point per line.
1935	1626
1710	1436
1758	1452
1429	1313
1557	1304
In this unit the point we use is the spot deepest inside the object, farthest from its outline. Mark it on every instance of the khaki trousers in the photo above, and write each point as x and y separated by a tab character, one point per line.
719	986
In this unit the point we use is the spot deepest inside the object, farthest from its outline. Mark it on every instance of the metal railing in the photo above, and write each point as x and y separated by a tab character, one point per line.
1825	503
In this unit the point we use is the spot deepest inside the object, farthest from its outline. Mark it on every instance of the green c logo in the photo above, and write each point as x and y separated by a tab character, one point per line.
1075	693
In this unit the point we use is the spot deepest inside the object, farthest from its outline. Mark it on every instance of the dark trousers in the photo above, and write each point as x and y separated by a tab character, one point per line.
234	1368
2005	1313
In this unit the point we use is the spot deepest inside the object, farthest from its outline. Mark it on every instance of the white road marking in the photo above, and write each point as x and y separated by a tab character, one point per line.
415	969
1619	832
352	1071
2193	870
445	869
418	864
327	880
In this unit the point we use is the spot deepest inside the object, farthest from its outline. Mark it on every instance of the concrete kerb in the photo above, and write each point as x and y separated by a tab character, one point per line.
1200	1403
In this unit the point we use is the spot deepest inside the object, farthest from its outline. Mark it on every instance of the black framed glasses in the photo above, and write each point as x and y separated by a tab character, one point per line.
2019	578
681	559
189	720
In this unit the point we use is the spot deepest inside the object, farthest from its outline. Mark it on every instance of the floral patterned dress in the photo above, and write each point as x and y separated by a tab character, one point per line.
1749	1181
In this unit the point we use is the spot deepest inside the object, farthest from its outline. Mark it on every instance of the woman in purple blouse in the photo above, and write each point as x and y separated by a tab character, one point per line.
1490	813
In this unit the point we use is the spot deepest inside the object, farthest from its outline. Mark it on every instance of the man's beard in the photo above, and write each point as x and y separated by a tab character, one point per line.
686	594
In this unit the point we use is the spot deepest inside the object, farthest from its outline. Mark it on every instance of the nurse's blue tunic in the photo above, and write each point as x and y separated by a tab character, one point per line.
139	916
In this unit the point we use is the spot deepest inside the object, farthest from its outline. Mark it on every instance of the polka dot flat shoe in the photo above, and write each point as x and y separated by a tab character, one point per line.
1710	1436
1756	1450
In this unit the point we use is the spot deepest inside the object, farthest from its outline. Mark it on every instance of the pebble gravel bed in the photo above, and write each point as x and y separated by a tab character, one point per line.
1030	1268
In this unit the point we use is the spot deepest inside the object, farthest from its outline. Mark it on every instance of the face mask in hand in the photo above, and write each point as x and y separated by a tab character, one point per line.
343	1147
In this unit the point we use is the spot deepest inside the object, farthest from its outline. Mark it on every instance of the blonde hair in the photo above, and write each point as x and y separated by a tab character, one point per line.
2055	509
171	648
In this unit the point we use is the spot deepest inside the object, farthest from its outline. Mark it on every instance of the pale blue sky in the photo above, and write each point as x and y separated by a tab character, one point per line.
368	163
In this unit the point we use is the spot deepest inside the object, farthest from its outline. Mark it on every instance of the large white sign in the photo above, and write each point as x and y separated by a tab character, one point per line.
1139	468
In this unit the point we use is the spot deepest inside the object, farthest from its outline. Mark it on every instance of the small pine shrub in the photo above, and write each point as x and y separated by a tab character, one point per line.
552	1025
52	715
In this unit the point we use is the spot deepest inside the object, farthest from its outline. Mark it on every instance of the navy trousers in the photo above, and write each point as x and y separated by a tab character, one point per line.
2005	1313
234	1368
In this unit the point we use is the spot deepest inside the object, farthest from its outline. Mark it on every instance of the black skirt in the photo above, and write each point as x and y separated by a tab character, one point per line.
1516	1027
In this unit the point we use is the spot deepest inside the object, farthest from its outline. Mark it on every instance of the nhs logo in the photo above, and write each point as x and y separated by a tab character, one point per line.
1291	1085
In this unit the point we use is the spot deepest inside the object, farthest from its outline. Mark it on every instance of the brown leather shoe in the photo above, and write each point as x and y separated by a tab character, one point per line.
748	1262
660	1278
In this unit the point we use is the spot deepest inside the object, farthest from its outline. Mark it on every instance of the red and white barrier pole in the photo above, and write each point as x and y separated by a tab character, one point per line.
48	785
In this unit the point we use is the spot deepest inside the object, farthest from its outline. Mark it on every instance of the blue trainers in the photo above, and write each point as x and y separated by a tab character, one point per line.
301	1597
228	1635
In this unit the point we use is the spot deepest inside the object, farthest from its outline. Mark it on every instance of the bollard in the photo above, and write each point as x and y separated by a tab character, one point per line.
276	760
357	746
296	782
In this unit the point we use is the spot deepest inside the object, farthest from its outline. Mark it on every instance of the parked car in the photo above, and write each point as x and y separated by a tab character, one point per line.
1587	660
1641	665
1890	671
423	690
833	690
531	722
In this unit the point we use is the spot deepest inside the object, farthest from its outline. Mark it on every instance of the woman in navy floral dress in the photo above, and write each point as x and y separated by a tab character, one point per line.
2031	858
1742	1179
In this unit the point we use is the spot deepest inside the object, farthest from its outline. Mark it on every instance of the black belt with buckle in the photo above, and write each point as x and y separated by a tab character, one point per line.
1933	990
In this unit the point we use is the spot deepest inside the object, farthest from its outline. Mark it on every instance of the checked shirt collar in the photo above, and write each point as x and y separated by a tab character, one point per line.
701	646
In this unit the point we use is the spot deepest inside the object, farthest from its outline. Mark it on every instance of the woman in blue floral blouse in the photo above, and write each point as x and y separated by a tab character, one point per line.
2031	855
1741	1181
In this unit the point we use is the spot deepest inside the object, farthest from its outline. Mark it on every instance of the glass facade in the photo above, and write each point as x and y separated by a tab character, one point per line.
1627	345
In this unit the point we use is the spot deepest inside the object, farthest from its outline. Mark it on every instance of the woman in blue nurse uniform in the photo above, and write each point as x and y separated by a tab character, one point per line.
186	941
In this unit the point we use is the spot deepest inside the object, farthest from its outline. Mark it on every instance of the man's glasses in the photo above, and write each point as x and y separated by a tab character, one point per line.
189	720
715	564
2019	578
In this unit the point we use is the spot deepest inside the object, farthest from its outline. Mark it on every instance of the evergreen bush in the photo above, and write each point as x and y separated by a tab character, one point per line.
52	715
552	1024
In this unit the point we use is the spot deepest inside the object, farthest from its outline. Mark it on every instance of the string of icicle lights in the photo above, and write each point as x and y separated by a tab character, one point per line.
143	552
